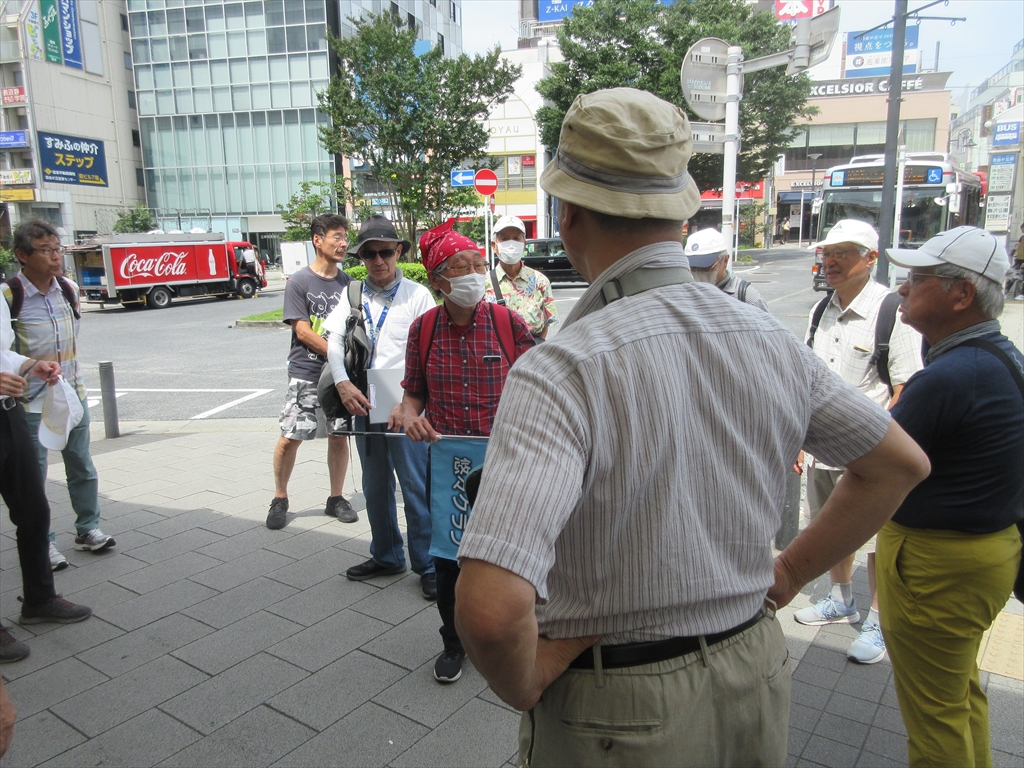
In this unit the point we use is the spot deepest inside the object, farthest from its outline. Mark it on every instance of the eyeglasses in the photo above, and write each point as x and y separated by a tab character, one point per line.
464	269
339	238
840	254
58	251
914	278
386	253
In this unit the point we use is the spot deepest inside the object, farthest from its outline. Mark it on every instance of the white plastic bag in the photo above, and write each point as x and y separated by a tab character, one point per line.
62	412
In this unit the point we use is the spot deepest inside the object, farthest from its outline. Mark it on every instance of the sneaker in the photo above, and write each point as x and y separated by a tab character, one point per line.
56	610
869	647
277	517
370	569
448	667
10	648
338	506
428	583
94	541
828	611
57	561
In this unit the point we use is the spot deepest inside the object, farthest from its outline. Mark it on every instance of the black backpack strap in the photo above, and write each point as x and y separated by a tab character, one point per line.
17	296
498	298
1001	356
819	312
884	325
70	296
741	289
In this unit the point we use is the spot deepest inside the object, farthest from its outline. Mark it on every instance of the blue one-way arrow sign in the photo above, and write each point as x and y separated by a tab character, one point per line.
463	178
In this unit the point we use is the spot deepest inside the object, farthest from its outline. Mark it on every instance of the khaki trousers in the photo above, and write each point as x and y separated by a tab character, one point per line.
938	591
724	706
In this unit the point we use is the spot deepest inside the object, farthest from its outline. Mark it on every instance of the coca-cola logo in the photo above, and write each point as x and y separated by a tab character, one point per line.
167	264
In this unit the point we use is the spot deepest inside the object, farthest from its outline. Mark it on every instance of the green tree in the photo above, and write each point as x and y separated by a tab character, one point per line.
641	44
414	119
312	199
137	219
474	229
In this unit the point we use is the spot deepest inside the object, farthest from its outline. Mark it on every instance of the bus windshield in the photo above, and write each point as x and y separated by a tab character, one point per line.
924	211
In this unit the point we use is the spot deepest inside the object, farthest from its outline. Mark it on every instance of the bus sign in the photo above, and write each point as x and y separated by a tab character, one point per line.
872	176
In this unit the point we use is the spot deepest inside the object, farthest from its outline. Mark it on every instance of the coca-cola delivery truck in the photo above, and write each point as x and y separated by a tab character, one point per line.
152	269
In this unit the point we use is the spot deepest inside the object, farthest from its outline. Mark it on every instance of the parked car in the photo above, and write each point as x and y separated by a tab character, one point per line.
547	255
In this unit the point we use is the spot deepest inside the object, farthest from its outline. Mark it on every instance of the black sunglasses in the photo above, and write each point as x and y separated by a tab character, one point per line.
368	255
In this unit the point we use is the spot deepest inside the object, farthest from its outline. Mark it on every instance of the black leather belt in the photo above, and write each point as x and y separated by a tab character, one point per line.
635	654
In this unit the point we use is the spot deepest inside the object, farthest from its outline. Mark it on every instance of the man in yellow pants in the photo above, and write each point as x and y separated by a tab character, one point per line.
946	563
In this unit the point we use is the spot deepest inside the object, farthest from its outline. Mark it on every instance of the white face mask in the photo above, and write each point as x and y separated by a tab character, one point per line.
704	275
467	290
511	251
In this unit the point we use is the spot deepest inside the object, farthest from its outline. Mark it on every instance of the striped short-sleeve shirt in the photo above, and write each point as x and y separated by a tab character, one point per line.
636	472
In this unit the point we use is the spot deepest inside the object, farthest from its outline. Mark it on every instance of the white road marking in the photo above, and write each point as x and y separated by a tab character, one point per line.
233	403
252	394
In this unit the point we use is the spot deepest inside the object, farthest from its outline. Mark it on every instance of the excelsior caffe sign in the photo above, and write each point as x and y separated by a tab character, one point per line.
870	86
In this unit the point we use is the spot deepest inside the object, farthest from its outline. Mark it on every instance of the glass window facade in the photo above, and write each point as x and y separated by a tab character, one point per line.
227	94
837	144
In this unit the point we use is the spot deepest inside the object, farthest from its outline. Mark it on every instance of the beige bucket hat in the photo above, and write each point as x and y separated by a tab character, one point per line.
624	152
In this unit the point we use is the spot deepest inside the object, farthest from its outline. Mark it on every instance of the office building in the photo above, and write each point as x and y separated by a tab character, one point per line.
227	99
69	140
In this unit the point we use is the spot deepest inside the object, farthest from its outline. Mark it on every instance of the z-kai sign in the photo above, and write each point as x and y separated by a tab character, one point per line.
72	160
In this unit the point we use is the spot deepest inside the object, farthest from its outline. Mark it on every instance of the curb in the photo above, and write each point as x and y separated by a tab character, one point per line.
260	324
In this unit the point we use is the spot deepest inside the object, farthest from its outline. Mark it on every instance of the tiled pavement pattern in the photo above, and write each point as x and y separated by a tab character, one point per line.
218	642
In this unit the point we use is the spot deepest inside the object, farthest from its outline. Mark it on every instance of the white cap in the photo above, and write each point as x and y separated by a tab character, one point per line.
62	412
704	247
508	221
967	247
851	231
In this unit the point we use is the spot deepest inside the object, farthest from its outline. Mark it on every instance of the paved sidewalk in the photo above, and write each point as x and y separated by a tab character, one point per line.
218	642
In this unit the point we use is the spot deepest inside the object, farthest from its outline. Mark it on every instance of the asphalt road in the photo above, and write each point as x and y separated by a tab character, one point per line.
188	361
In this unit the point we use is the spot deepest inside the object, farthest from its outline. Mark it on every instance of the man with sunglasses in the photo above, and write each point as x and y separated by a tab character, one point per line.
45	327
391	302
309	296
845	339
948	558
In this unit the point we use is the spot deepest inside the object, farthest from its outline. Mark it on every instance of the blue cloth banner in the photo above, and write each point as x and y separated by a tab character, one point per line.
450	462
70	44
72	160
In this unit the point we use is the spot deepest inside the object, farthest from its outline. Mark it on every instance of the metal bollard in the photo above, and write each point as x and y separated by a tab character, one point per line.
109	397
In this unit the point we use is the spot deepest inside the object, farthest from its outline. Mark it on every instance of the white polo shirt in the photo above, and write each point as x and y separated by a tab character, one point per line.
411	301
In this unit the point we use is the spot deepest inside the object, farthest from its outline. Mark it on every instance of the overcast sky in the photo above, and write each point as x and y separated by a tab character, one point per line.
971	50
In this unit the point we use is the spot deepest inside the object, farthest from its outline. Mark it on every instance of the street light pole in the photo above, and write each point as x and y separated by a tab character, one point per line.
814	192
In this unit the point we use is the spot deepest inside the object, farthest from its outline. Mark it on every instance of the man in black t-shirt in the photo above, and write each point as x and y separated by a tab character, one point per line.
309	296
946	561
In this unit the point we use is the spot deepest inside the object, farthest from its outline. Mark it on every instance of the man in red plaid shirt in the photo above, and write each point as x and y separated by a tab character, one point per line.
470	346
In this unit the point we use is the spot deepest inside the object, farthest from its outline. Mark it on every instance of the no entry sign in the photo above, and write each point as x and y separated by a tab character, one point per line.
486	182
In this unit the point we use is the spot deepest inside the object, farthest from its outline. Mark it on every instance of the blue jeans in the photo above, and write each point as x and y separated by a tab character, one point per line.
381	459
83	482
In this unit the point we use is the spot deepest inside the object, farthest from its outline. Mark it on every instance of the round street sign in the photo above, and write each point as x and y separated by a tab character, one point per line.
703	77
486	182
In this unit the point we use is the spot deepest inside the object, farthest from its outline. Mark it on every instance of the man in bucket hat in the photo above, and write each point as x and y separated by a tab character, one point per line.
956	535
606	565
391	302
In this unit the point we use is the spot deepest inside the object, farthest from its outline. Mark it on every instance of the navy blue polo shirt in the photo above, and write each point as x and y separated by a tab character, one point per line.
966	412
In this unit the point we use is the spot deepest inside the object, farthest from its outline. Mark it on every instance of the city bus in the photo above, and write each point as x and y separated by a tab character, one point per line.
936	196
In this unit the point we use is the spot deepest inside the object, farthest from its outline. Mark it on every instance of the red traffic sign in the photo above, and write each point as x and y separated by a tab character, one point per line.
486	182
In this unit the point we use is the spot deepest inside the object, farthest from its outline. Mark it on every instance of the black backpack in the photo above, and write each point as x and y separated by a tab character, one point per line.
884	324
357	357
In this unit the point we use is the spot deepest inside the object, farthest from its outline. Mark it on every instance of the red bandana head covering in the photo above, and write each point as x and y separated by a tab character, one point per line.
439	243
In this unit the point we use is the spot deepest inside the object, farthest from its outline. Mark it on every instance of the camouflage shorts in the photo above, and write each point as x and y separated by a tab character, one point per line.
301	414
